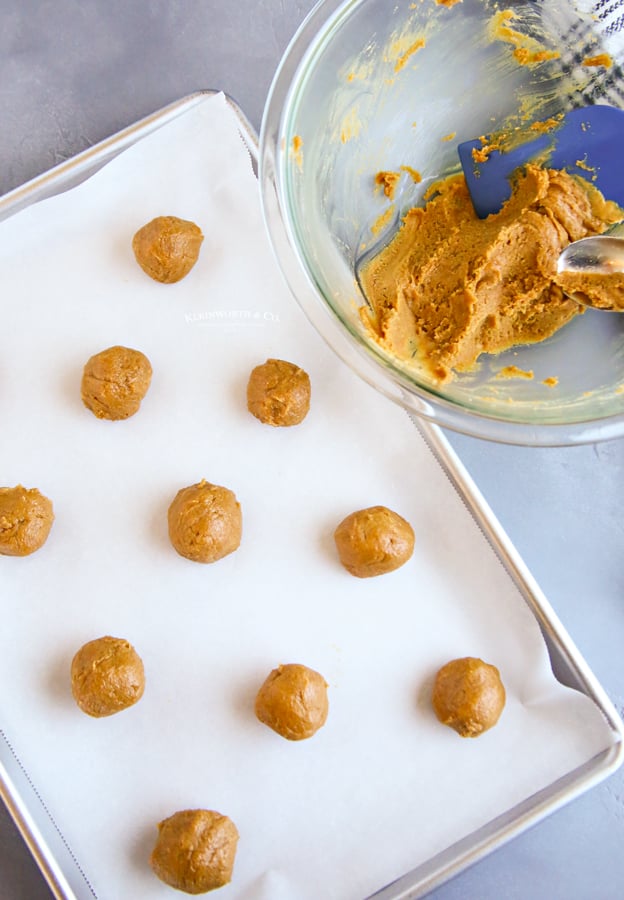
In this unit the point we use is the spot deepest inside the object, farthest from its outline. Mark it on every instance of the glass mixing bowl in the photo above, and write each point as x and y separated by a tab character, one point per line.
367	86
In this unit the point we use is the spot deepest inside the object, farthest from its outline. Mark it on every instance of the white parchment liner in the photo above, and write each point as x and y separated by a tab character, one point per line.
383	786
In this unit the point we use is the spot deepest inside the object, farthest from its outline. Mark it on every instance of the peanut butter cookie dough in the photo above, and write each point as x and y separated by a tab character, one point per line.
451	286
599	290
115	381
293	701
205	522
107	676
468	696
374	541
195	850
278	393
167	248
26	517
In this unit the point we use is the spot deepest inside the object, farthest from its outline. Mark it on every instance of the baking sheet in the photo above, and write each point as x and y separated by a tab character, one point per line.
383	781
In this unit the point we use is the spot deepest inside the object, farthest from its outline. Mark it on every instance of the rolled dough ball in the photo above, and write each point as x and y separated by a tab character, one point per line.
205	522
278	393
468	695
374	541
195	850
115	381
26	517
293	701
167	248
107	676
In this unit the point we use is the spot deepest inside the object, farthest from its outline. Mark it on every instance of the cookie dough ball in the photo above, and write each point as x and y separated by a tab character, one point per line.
278	393
115	381
205	522
167	248
468	695
293	701
26	517
195	850
107	676
374	541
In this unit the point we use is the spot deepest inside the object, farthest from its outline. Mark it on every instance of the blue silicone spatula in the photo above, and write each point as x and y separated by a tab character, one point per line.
589	142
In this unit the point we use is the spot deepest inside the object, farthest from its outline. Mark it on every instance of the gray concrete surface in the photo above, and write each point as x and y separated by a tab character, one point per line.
74	71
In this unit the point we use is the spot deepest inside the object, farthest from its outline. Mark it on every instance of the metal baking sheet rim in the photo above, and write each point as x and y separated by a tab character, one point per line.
27	808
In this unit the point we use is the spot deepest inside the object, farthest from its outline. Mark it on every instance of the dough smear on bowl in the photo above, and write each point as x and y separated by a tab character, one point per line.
468	696
293	701
205	522
107	676
26	517
195	850
115	381
167	248
450	286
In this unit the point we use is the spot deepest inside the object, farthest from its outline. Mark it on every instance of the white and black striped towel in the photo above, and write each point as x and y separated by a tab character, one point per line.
601	31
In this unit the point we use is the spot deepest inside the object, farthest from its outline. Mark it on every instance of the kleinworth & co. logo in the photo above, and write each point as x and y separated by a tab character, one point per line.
253	317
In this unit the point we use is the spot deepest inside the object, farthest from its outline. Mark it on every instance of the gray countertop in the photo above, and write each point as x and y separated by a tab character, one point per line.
75	71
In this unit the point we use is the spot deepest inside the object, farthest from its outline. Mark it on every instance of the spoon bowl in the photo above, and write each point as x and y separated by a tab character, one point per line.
592	270
600	254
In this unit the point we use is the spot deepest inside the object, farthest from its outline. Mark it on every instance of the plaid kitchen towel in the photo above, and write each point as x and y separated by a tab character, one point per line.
610	15
600	30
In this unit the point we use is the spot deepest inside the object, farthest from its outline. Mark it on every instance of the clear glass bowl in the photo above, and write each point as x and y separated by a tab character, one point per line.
355	93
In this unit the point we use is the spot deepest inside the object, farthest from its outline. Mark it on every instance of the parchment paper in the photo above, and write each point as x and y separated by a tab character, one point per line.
383	786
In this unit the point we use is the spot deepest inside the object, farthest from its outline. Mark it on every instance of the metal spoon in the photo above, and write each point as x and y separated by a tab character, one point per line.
602	254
